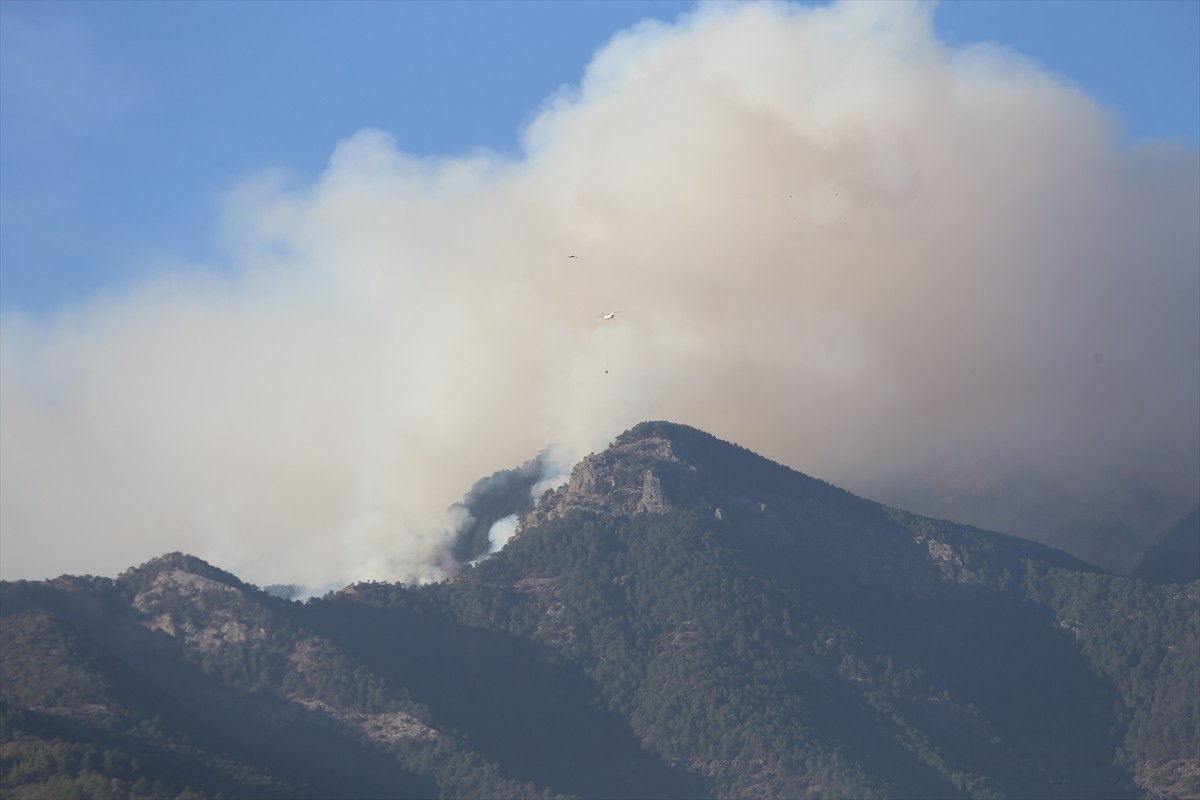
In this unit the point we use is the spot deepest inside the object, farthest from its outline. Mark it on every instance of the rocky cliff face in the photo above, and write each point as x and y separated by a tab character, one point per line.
624	480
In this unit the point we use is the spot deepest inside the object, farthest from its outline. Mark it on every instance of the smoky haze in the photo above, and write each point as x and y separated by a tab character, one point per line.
929	275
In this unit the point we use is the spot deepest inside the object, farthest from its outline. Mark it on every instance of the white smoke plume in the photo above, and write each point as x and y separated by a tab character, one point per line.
501	531
930	275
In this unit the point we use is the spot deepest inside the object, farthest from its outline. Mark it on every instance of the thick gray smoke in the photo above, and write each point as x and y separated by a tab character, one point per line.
487	516
927	274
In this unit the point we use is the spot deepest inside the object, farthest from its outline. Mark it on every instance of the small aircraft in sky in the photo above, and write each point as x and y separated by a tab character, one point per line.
608	315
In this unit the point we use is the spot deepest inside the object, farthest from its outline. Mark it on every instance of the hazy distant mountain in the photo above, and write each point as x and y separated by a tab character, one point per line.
1175	557
683	618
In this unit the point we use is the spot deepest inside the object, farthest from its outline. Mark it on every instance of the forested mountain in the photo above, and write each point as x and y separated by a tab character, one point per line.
682	619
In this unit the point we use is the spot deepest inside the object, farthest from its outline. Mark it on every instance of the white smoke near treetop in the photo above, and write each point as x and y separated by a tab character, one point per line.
928	275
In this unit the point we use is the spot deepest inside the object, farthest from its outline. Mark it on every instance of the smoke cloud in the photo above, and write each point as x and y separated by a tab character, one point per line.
501	531
927	274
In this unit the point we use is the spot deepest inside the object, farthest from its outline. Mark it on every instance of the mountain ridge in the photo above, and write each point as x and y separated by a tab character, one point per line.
682	618
652	467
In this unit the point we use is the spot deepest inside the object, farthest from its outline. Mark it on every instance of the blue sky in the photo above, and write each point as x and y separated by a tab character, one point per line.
124	124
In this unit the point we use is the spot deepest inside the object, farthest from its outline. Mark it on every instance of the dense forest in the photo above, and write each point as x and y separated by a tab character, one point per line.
682	619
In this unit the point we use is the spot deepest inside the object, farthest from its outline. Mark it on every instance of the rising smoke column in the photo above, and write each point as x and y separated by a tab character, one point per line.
927	274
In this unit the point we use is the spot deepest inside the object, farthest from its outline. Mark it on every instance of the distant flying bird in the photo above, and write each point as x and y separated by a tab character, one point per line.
608	315
572	256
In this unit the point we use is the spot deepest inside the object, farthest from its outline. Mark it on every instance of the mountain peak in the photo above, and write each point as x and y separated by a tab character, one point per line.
657	466
661	467
181	564
660	429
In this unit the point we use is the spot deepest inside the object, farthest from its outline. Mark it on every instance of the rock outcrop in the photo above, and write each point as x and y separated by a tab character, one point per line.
626	479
